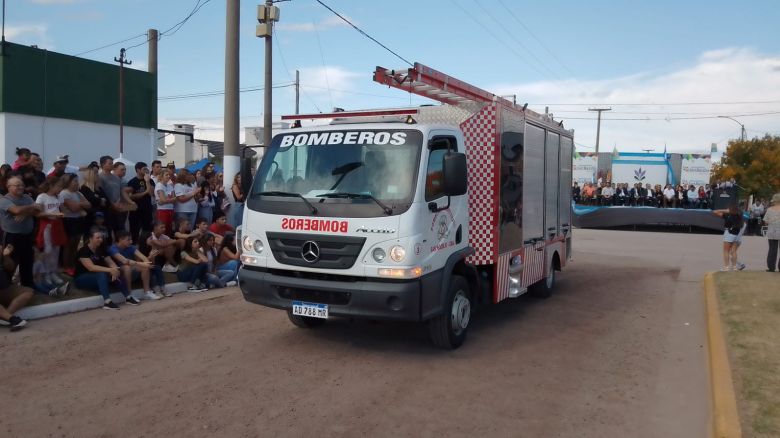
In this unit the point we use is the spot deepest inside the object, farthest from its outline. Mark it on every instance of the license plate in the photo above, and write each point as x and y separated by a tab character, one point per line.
313	310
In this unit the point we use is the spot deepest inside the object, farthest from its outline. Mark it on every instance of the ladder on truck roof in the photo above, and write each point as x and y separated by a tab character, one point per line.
433	84
423	81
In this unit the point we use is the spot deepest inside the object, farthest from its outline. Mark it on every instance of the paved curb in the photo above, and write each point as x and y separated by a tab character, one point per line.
725	418
81	304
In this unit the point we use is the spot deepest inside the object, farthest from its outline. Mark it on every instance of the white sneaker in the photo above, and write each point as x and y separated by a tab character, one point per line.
231	283
149	295
169	268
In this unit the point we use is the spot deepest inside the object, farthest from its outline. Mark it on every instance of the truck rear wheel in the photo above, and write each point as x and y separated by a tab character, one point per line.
449	329
305	321
544	288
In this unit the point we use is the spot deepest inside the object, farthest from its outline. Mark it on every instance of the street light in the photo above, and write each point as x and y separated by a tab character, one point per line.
737	121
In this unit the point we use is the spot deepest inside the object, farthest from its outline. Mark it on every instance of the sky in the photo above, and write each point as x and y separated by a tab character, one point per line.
667	69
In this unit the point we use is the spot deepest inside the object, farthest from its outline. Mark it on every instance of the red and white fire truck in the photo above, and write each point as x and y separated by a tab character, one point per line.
410	214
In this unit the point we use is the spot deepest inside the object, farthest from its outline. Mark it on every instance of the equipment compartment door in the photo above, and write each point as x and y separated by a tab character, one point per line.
551	192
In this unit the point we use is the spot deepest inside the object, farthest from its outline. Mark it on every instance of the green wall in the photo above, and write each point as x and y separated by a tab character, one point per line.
48	84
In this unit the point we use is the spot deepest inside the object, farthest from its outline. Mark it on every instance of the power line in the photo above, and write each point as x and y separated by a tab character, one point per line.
364	33
110	45
517	40
669	119
175	28
217	92
289	75
534	37
490	32
656	113
324	65
755	102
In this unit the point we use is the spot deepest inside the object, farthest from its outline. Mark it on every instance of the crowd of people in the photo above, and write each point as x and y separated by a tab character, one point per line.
90	227
622	194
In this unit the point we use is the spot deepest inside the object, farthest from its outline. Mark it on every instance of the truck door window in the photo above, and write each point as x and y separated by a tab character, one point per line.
433	177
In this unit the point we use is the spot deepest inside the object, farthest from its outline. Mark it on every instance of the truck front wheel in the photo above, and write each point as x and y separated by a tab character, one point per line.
449	329
305	321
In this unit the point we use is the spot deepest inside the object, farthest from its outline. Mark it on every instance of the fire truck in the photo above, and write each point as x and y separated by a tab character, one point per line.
415	214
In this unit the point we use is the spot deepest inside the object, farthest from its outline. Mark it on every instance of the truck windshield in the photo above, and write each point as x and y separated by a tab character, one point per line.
367	172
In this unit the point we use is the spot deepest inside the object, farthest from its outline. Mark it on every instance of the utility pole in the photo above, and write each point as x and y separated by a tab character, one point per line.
598	125
230	161
2	42
267	14
122	62
297	91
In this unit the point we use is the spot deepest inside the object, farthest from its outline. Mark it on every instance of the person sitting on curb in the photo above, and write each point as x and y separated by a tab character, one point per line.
194	266
220	227
227	259
12	298
154	256
165	247
184	231
95	270
134	264
223	278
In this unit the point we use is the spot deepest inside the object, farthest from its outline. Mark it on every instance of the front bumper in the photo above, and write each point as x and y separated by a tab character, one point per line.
346	296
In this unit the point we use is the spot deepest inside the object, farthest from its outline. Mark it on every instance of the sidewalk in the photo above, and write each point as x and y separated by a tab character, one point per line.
87	303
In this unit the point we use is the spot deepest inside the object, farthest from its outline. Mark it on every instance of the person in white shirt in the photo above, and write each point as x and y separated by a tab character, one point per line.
607	193
51	232
693	197
669	197
165	197
186	196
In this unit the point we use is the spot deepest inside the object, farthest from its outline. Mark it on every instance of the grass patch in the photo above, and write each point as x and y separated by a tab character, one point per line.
749	304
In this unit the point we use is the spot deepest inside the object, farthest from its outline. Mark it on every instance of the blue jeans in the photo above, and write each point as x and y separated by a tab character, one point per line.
205	213
192	273
228	271
156	277
190	217
235	214
99	281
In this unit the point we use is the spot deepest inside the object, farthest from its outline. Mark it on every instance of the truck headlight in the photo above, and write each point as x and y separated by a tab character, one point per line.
250	244
379	255
397	253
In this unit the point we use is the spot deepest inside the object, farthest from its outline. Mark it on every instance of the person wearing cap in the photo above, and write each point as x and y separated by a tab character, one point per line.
772	221
61	167
142	193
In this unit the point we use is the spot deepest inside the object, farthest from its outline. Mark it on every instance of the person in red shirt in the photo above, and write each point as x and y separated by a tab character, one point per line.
220	226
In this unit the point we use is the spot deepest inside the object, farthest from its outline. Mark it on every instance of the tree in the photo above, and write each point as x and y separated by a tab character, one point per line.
754	164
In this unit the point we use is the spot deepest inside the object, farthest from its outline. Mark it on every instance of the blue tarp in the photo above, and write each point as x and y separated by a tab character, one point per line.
201	164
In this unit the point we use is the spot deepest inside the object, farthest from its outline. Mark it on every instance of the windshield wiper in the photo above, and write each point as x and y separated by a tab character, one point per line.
388	211
290	195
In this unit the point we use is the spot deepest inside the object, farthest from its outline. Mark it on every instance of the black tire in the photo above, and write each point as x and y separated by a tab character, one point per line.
449	329
544	288
305	321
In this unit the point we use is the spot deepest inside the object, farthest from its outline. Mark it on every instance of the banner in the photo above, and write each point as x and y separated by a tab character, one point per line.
695	169
635	171
584	166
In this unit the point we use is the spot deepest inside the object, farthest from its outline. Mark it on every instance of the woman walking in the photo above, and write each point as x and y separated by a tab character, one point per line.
733	222
772	221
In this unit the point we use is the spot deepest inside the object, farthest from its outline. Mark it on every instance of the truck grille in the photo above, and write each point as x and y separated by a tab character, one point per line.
332	252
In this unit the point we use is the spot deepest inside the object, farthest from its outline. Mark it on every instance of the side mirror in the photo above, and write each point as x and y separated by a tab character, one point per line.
455	178
246	175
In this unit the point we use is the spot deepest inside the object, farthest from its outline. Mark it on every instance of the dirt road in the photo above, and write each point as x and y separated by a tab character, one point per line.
617	351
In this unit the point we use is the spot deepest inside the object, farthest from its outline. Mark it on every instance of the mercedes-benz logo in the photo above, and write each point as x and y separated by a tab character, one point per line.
310	251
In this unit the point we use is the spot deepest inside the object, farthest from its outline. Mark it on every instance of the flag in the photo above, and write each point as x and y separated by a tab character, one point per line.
714	148
615	154
666	156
